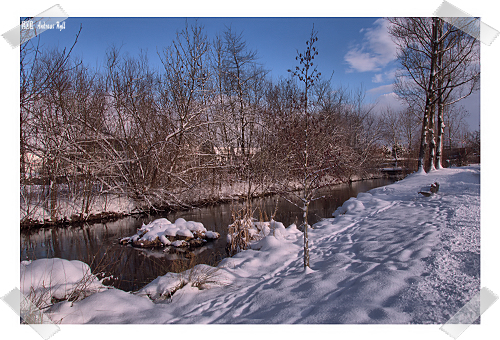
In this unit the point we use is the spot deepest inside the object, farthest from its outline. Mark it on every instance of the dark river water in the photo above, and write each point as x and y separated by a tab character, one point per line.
132	268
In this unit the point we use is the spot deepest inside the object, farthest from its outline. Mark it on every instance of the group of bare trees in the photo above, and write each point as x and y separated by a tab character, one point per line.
209	121
439	67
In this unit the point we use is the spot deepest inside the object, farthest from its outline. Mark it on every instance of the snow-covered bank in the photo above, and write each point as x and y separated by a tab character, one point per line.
390	256
68	210
35	206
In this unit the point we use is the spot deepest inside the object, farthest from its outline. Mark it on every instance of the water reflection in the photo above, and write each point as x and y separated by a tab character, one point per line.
132	268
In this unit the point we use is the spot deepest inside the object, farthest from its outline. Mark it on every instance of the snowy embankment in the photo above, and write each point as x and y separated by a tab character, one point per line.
389	256
70	210
35	206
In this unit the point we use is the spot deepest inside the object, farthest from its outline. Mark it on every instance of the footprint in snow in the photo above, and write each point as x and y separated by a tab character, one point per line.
378	314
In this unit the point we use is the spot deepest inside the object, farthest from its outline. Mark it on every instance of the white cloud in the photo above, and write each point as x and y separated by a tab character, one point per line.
376	50
388	100
384	89
381	77
378	78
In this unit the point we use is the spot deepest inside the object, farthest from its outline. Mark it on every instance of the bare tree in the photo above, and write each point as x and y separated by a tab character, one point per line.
400	131
439	63
308	75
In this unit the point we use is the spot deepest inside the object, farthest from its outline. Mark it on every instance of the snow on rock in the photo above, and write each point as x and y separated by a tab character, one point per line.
184	233
212	235
162	232
189	225
392	257
164	240
45	279
179	243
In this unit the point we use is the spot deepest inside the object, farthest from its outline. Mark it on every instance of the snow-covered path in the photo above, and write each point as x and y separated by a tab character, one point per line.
453	269
390	256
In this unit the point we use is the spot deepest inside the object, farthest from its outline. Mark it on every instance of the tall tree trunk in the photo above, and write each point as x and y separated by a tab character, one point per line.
432	138
440	102
440	134
430	99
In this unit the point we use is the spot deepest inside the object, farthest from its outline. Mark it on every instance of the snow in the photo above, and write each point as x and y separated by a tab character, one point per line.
165	240
178	243
184	232
390	256
351	206
44	279
212	235
259	230
162	227
67	207
189	225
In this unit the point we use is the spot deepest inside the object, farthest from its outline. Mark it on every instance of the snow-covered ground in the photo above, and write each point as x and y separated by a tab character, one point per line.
389	256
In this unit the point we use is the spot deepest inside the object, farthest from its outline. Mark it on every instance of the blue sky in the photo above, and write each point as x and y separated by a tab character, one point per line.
359	51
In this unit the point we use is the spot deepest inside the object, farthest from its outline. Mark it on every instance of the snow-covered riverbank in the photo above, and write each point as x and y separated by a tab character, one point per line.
391	256
35	209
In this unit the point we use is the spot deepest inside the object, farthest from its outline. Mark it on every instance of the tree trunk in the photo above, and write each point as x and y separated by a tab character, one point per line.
429	99
432	138
440	102
306	236
440	135
53	198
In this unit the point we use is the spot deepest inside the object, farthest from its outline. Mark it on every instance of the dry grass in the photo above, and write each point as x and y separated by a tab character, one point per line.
239	235
32	305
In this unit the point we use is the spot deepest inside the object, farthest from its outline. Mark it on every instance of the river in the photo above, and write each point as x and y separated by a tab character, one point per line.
132	268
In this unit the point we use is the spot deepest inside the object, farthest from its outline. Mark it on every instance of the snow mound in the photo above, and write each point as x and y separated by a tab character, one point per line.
162	232
189	225
45	279
162	226
267	243
115	306
351	206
